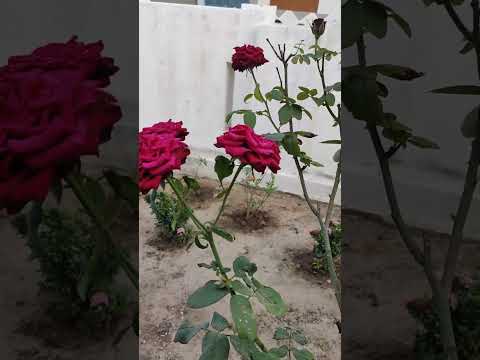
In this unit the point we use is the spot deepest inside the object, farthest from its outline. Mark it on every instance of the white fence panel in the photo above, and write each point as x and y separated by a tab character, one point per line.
185	74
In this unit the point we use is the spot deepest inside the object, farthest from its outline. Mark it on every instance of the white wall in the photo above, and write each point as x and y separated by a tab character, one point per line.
429	183
185	75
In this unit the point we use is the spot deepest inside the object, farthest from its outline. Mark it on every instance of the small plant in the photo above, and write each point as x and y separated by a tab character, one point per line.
64	247
258	189
466	320
171	217
291	338
319	253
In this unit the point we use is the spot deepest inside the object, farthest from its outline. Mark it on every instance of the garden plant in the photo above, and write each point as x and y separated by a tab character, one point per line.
54	111
292	111
258	190
362	95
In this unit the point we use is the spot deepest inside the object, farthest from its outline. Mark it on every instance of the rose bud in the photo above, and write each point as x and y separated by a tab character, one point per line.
318	27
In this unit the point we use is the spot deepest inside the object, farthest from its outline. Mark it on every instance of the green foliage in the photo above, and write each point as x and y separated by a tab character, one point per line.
336	236
171	217
66	250
293	340
466	322
258	189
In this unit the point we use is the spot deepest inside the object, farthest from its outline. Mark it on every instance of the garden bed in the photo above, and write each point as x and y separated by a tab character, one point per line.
170	274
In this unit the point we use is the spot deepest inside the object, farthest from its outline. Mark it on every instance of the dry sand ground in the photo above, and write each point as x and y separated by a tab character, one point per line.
169	275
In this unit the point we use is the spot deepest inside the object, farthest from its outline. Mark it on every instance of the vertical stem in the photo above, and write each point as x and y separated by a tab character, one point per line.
90	208
265	102
333	194
227	194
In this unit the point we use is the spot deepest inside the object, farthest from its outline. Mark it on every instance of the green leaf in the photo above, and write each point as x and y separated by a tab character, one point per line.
250	119
215	346
223	167
207	295
285	114
336	157
192	184
277	94
258	94
243	346
330	99
297	111
302	96
219	323
306	134
228	118
243	317
272	301
302	354
402	23
258	355
281	351
471	124
124	187
187	331
222	233
352	20
241	289
396	71
422	142
242	265
290	143
247	97
333	142
275	136
281	334
375	17
459	90
300	338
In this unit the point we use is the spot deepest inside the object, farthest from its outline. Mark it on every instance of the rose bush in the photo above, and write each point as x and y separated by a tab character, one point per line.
242	143
53	110
247	57
161	150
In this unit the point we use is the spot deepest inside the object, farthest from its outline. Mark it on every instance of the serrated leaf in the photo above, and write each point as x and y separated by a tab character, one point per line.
243	317
207	295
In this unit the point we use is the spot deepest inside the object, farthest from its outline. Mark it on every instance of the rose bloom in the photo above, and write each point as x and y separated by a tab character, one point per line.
161	150
242	143
53	110
247	57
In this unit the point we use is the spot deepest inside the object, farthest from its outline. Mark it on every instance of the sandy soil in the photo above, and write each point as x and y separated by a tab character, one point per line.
28	333
379	280
169	275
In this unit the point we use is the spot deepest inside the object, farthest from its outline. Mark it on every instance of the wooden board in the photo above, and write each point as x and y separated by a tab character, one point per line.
296	5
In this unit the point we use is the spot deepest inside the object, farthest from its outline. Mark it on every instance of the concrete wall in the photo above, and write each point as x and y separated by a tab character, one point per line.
185	74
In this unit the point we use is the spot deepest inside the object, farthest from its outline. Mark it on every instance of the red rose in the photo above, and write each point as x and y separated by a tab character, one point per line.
53	110
242	143
247	57
161	150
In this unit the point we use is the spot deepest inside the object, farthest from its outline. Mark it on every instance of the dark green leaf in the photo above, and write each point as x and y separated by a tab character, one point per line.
124	187
306	134
207	295
459	90
215	346
281	351
223	167
396	71
300	338
375	18
285	114
471	124
277	95
250	119
192	184
336	156
302	354
290	143
243	317
187	331
297	111
334	142
241	289
272	300
242	265
281	334
352	20
422	142
222	233
275	136
243	346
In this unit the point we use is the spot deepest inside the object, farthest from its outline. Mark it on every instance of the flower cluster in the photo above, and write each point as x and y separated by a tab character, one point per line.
161	150
247	57
53	110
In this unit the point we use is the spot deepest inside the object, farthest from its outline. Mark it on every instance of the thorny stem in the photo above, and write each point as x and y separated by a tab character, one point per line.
439	291
265	102
90	208
199	224
227	194
316	211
